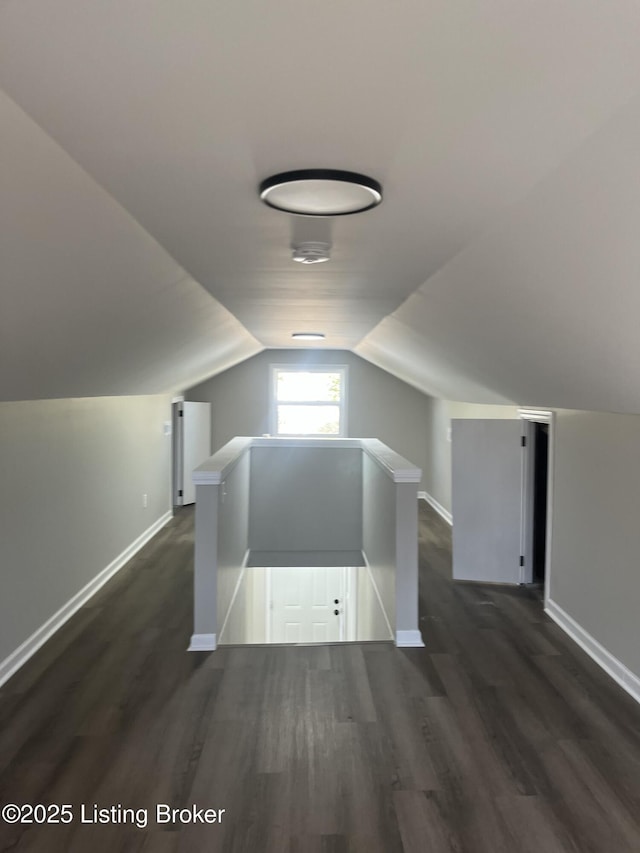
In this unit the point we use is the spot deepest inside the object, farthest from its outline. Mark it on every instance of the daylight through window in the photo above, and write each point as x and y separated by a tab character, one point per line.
309	400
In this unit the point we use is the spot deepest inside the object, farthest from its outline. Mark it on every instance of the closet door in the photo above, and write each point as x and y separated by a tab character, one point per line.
487	458
195	444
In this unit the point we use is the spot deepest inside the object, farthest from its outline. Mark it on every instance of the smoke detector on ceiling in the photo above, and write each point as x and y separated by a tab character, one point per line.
311	252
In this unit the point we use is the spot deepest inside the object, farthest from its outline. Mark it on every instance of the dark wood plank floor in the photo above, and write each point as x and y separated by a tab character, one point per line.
500	736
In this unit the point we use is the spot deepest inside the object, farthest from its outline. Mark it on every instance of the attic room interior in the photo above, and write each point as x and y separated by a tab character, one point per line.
491	290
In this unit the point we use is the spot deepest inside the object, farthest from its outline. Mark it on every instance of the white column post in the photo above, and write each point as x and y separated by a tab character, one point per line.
407	628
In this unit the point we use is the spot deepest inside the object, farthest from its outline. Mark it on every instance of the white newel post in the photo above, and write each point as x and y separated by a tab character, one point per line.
407	627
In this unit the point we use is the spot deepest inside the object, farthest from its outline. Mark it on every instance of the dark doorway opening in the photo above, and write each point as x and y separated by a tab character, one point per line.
540	490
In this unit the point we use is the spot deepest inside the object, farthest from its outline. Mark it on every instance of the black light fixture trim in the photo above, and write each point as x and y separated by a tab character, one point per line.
297	175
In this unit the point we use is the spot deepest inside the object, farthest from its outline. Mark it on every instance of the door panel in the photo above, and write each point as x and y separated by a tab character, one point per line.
302	608
292	631
196	443
486	500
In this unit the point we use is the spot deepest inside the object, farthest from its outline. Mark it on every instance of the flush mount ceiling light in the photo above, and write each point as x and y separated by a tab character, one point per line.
320	192
311	252
308	336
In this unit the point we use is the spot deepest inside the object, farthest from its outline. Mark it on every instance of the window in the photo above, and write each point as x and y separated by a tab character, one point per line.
308	400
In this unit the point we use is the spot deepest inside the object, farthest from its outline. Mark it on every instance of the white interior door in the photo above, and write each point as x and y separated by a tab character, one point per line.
302	605
196	444
486	500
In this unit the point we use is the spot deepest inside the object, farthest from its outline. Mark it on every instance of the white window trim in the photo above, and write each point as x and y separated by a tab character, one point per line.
308	368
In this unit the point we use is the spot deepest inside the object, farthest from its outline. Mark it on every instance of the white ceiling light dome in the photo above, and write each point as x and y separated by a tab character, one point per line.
308	336
320	192
311	252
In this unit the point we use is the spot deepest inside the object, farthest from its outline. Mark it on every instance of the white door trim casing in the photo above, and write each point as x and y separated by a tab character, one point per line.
541	416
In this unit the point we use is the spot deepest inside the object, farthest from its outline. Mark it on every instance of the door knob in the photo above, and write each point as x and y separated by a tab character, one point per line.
336	612
335	601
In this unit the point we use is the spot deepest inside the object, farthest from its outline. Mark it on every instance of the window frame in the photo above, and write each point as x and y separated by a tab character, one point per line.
307	368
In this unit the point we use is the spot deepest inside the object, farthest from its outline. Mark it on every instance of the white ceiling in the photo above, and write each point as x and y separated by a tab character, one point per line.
502	265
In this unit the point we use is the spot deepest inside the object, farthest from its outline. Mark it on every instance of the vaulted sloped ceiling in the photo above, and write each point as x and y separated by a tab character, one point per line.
545	307
501	266
90	304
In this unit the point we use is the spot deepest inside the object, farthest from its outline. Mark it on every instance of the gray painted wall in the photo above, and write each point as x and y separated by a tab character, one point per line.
595	573
73	475
305	499
379	405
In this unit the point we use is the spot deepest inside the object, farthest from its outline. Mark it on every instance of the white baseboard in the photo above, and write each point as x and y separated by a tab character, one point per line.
21	655
611	665
425	496
202	643
409	639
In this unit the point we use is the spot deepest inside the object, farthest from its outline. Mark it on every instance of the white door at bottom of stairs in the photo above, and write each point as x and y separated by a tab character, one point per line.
306	605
